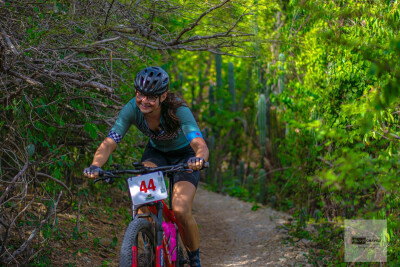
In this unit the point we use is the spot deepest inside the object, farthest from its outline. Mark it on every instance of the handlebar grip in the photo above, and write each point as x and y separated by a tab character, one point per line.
206	164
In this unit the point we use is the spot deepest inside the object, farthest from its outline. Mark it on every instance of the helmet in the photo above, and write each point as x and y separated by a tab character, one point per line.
152	81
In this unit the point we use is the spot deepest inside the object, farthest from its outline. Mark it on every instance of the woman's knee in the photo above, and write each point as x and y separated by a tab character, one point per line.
182	212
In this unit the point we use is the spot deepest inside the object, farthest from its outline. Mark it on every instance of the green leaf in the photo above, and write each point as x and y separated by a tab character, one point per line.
91	129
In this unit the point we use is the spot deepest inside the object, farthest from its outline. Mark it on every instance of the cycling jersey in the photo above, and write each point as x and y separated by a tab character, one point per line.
131	114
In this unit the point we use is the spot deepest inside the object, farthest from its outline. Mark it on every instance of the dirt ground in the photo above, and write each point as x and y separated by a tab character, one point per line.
231	234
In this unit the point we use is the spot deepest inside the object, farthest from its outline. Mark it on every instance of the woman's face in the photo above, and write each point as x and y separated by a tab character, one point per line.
148	104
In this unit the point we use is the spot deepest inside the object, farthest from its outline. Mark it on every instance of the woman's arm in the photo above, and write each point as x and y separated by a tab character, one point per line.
200	148
102	154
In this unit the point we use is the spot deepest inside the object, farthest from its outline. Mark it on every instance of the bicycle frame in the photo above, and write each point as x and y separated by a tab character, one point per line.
158	211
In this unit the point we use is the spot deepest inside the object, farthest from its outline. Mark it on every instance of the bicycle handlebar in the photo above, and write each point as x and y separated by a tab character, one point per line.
108	175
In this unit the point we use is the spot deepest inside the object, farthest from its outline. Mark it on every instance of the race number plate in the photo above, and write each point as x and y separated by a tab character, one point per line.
147	188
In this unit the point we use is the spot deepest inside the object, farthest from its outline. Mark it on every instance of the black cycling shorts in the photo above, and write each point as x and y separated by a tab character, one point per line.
171	158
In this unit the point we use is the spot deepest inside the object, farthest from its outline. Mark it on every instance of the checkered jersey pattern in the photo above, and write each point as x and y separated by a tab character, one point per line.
160	136
114	136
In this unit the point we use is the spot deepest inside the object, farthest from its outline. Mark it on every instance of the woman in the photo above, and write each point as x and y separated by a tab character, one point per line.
174	138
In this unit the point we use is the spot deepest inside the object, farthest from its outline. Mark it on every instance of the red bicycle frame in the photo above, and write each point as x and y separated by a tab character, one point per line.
163	259
169	216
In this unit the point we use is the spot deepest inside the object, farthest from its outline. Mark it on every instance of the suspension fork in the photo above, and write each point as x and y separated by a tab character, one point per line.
159	235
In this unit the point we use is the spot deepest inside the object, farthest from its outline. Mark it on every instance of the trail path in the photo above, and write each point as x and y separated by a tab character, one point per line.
231	234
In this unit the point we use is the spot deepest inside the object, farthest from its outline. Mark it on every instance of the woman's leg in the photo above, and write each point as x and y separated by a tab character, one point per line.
182	200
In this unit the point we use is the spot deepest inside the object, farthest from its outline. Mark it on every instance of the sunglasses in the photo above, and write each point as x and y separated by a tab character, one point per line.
150	98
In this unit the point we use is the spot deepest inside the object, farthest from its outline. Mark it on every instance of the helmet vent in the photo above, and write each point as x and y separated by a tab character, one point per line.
153	85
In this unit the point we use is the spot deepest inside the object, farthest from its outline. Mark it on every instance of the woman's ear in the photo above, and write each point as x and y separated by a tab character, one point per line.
163	97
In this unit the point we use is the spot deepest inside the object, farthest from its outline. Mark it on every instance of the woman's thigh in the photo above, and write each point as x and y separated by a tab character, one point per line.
182	197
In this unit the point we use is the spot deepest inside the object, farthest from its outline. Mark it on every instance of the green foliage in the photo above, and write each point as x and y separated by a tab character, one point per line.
341	108
233	188
91	129
255	206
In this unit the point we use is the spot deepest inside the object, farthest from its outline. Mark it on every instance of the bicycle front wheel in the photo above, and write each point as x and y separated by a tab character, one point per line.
138	245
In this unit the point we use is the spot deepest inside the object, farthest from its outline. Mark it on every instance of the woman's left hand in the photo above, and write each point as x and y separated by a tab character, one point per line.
196	163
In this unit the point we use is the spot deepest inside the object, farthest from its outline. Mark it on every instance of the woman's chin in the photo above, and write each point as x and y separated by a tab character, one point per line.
145	110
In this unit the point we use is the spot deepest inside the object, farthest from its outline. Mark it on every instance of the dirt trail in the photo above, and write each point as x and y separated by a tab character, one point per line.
231	234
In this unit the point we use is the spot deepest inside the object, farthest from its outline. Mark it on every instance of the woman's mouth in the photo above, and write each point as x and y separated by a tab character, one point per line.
145	106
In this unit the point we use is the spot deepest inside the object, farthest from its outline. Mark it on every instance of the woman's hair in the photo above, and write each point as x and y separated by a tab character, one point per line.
168	112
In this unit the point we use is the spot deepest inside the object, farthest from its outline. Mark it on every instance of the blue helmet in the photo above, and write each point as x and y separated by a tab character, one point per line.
152	81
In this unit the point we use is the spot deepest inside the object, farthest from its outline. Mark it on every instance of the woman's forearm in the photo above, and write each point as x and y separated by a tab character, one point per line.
103	152
200	148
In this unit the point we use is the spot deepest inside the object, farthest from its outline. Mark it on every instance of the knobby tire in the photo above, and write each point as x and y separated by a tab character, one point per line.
138	230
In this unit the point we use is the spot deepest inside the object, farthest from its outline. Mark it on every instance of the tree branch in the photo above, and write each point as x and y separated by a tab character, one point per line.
9	43
108	12
54	179
25	78
194	24
12	183
95	85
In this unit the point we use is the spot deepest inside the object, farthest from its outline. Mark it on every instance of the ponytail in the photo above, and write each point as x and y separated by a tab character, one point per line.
168	111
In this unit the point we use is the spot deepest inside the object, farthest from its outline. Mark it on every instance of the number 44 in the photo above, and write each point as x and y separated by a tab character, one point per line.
144	188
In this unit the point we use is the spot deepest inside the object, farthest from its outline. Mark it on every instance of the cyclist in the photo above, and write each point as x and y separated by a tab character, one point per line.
174	138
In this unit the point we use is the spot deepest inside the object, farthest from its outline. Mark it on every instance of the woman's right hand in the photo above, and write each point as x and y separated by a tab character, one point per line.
92	171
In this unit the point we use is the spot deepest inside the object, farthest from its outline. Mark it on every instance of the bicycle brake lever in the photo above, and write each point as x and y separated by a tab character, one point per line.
98	179
116	166
138	165
109	180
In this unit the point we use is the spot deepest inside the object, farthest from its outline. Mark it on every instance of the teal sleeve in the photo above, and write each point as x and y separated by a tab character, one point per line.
126	117
188	123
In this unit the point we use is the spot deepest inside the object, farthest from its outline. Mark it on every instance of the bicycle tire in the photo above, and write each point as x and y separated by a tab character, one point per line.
139	233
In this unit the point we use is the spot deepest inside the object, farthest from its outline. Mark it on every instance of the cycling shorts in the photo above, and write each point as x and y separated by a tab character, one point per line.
172	157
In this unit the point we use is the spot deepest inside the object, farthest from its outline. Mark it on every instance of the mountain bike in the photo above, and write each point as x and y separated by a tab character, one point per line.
152	238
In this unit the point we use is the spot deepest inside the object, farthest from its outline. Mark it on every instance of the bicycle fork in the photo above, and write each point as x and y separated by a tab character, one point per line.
156	213
159	236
